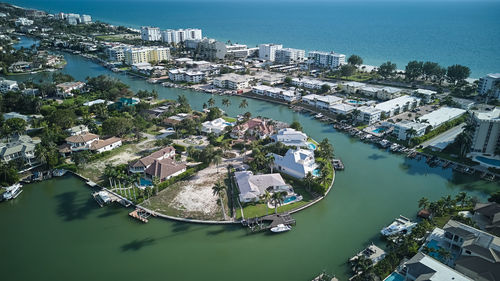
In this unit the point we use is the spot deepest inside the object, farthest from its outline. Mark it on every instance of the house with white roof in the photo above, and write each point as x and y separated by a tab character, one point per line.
8	85
398	105
387	93
441	116
216	126
353	87
66	89
426	95
368	114
98	101
296	163
401	129
290	137
78	130
311	83
342	108
310	99
369	91
324	102
252	187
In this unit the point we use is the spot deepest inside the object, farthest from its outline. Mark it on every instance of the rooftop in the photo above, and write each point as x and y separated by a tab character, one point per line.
395	103
441	115
430	269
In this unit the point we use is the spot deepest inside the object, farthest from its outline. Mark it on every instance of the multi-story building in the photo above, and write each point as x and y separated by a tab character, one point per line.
441	116
146	54
149	33
487	132
210	49
116	53
297	163
268	51
8	85
328	60
176	36
72	19
368	114
18	147
232	81
85	19
387	93
182	75
239	51
23	22
398	105
289	56
401	129
489	85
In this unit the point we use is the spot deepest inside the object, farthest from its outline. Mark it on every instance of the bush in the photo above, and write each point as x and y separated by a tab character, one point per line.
179	147
439	130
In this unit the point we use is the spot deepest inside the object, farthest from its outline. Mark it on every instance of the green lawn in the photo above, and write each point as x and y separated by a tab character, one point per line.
229	119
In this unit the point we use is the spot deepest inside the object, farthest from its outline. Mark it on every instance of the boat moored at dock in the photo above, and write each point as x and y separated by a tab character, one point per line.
11	192
401	225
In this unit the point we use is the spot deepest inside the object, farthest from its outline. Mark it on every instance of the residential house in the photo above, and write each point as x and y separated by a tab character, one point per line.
79	142
8	85
216	126
140	165
164	169
422	267
487	217
78	130
291	137
174	120
66	89
17	147
10	115
296	163
252	187
105	145
255	127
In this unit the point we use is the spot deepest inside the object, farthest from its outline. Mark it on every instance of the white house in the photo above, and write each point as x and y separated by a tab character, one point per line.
216	126
440	116
369	91
66	89
81	142
291	137
368	114
8	85
342	108
252	187
296	163
78	130
401	129
105	145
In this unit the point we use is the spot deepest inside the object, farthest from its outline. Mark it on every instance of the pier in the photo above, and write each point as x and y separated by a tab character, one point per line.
140	215
268	222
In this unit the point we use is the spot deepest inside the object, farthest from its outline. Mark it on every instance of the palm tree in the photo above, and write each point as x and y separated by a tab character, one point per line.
277	199
308	180
217	160
243	103
444	254
461	197
266	197
211	102
448	203
410	133
226	102
423	203
270	162
218	190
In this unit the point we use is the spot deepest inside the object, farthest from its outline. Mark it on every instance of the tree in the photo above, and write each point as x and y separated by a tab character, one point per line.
288	80
495	197
277	199
309	180
211	102
243	103
64	118
296	126
13	126
325	88
226	102
325	150
266	197
387	69
117	126
347	70
423	203
217	160
457	73
214	113
461	197
218	190
355	60
410	133
414	69
270	162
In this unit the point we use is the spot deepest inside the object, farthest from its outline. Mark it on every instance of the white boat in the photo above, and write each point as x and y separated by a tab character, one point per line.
104	196
59	172
401	225
319	115
281	228
11	192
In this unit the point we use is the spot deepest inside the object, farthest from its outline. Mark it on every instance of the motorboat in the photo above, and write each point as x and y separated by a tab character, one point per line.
11	192
59	172
318	116
281	228
401	225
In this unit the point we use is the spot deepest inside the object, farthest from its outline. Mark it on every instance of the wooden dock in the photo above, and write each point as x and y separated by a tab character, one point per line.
268	222
140	214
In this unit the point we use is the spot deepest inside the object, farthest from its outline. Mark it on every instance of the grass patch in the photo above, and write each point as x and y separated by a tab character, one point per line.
448	156
229	119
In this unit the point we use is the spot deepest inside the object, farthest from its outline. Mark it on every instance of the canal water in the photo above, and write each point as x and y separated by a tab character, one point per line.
54	230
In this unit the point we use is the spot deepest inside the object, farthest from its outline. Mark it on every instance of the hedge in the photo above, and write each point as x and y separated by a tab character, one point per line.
439	130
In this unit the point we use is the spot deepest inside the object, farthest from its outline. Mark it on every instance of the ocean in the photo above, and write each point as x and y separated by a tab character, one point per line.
448	32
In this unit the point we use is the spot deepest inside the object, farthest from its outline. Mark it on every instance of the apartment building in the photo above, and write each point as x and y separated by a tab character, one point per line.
487	132
146	54
268	51
327	60
489	85
149	33
289	56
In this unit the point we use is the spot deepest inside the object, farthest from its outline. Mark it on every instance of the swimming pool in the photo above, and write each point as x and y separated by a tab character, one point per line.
379	130
394	277
145	182
229	124
489	161
290	199
315	173
311	146
355	102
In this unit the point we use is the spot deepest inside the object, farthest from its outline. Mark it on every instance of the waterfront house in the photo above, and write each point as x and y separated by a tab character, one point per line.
8	85
127	102
20	66
401	129
78	130
140	165
353	87
105	145
252	187
174	120
66	89
388	93
342	108
423	267
441	116
164	169
368	115
487	217
477	252
80	142
232	81
398	105
18	147
216	126
255	127
296	163
291	137
424	94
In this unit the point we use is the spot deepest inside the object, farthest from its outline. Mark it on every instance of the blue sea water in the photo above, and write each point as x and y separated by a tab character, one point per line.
448	32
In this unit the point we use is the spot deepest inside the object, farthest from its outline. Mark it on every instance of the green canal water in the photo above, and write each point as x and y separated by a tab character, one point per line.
55	231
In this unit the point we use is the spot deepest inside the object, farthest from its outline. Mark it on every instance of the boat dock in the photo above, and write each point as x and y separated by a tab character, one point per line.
140	215
338	165
268	222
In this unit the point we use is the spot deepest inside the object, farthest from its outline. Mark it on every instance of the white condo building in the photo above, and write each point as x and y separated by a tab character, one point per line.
441	116
149	33
401	129
487	132
146	54
486	85
398	105
289	56
268	51
368	114
180	35
325	59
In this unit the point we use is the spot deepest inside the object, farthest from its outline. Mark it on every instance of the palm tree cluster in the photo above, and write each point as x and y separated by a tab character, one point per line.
464	139
218	189
124	184
447	204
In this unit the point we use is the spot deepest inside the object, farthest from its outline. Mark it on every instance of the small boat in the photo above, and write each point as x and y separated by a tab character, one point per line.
11	192
401	225
318	116
281	228
59	172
